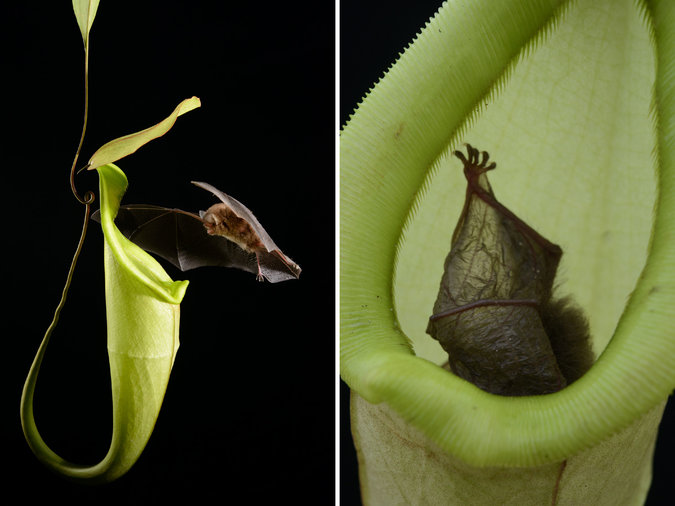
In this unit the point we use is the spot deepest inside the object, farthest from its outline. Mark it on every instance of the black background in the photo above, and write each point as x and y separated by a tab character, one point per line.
249	412
249	409
372	34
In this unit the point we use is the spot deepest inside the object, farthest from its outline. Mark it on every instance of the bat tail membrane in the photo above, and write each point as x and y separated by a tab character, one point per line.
290	264
276	267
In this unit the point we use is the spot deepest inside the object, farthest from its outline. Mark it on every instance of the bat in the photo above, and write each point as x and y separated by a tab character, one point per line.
227	234
494	314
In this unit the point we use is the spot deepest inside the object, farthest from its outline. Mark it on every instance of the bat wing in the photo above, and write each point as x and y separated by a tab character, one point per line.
179	237
274	265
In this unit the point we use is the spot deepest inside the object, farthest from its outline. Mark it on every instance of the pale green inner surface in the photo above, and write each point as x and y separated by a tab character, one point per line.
573	142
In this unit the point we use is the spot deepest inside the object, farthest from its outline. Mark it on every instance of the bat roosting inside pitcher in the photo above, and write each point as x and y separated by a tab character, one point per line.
494	314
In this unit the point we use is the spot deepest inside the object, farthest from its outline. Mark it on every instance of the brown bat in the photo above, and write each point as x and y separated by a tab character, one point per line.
226	235
234	221
495	314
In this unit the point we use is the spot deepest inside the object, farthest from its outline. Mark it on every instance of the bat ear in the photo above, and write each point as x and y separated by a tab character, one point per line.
201	214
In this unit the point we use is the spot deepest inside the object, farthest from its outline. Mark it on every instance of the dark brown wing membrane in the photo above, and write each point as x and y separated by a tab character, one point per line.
180	238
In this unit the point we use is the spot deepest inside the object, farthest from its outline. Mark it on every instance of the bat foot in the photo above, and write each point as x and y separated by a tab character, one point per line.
259	275
473	163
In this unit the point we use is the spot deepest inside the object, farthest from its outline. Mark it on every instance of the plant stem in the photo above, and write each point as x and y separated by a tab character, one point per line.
89	196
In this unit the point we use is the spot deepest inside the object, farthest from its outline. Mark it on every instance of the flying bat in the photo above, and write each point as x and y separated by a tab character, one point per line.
227	234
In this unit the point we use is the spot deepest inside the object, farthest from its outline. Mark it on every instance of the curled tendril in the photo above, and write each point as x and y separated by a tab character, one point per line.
88	197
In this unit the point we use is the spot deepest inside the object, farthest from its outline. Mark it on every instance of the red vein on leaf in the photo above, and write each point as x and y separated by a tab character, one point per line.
556	487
